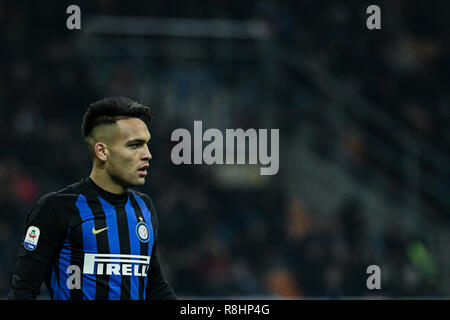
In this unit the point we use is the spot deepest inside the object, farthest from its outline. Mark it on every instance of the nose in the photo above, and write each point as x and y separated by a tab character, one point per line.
147	155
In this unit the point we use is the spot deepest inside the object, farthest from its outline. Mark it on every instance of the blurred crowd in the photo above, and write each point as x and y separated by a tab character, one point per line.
217	240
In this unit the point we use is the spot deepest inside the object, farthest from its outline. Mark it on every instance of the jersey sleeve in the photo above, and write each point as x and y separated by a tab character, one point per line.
44	233
158	288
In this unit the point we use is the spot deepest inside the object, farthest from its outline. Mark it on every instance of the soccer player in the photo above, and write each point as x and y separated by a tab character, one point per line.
98	229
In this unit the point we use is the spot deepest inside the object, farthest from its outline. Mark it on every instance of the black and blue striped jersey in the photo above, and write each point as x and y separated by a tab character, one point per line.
109	240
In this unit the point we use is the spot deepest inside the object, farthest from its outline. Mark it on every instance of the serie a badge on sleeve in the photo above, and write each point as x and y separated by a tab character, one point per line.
31	238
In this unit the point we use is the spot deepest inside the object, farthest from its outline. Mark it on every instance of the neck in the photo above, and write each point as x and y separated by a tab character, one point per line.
104	181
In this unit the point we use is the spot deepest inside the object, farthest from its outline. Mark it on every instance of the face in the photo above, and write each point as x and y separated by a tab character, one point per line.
128	153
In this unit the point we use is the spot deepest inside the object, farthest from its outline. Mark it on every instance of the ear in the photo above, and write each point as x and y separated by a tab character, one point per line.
101	151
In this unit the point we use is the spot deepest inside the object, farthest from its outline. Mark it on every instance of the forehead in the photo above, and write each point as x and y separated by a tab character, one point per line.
130	129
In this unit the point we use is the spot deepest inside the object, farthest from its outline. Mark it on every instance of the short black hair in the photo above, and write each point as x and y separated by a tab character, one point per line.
109	110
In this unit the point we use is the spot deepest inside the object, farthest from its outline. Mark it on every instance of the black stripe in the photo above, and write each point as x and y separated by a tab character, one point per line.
154	217
102	281
124	242
154	220
76	254
143	245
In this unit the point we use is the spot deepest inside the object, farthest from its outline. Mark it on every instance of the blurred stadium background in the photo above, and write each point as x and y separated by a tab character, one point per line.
364	136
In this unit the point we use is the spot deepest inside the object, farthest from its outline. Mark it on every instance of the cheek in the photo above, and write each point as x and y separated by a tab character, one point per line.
121	164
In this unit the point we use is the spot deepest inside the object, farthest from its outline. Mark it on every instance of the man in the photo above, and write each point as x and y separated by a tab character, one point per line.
97	229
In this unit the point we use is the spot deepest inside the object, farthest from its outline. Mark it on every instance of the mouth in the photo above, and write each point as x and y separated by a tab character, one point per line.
143	170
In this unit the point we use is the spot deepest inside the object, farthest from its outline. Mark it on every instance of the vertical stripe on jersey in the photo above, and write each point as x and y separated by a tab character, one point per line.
114	246
147	219
63	263
77	257
89	287
102	280
143	246
146	214
136	283
124	242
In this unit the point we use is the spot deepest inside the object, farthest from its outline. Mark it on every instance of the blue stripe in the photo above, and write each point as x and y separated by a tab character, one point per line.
89	244
53	284
64	262
114	246
148	220
134	247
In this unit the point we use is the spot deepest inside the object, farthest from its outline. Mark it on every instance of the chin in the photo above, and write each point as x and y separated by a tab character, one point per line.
135	182
140	182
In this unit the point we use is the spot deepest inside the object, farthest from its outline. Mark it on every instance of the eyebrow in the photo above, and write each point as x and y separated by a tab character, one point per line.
138	140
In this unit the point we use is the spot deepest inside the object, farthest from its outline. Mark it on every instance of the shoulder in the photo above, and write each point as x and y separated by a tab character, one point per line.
72	189
65	197
46	209
146	200
45	200
68	194
144	197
